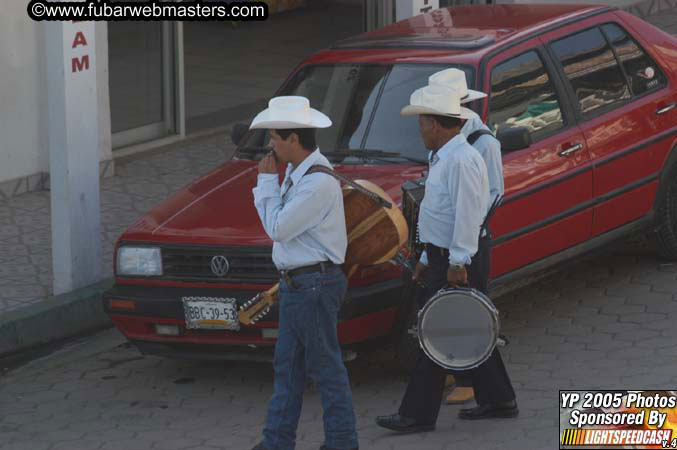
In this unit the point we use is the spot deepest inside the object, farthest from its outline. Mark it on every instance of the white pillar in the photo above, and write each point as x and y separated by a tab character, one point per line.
73	154
409	8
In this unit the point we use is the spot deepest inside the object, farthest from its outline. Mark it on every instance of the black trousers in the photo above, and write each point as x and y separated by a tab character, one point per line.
423	397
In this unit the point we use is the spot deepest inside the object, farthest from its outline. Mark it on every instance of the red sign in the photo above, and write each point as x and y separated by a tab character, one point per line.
81	63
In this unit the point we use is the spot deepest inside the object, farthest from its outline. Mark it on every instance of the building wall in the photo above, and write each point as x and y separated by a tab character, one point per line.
24	154
23	99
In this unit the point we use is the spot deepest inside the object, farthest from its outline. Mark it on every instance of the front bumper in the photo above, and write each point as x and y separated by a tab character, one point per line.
367	312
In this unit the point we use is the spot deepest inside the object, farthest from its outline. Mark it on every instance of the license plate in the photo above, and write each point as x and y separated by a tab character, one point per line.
213	313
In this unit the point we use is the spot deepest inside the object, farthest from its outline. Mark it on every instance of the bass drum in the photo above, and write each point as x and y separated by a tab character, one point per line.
458	328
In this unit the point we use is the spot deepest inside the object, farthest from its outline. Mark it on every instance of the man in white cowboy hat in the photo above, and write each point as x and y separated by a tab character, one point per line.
481	138
475	131
451	216
304	217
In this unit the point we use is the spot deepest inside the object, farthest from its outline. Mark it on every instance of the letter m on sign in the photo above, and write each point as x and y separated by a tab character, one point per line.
80	64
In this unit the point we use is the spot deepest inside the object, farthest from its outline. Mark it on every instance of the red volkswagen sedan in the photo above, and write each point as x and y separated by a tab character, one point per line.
582	98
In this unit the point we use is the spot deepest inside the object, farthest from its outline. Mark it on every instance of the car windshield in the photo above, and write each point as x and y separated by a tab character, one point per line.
364	103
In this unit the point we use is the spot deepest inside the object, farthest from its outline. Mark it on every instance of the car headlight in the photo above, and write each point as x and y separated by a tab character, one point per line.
146	261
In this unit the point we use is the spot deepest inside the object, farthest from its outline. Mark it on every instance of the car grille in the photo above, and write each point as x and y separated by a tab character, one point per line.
193	263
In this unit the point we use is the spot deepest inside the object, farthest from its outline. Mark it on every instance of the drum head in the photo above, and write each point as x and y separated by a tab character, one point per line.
458	328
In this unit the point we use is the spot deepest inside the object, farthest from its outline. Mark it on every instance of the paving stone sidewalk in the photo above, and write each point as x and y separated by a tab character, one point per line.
605	323
140	184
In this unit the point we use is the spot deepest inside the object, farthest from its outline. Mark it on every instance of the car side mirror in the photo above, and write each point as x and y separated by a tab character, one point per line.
512	139
238	132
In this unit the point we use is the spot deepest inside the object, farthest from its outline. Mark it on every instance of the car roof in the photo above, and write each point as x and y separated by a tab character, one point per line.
469	29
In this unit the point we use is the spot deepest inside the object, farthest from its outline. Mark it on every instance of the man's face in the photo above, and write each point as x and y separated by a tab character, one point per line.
427	128
282	147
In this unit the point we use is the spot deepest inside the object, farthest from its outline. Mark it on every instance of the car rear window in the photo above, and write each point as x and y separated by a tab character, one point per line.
642	72
592	70
364	103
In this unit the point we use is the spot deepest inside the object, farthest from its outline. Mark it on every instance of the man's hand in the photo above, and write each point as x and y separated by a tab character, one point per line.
418	273
457	277
268	164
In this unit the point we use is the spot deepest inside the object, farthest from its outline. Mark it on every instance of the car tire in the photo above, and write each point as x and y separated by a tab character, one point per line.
665	235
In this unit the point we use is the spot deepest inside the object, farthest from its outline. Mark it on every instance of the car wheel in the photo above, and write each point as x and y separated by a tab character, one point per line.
665	235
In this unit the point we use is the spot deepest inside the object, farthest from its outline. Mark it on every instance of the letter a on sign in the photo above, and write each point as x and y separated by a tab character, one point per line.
79	39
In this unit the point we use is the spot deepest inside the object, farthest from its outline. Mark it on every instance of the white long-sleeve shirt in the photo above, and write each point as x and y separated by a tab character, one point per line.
490	149
304	217
455	202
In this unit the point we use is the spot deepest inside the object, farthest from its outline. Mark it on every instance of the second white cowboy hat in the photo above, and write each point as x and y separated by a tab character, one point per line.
437	100
290	111
455	79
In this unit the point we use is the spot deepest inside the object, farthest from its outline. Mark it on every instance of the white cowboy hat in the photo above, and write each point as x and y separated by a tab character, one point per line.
455	79
437	100
290	112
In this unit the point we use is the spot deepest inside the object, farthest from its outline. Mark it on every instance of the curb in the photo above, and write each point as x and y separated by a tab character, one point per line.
54	318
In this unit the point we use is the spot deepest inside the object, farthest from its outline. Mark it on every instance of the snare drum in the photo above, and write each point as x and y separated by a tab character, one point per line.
458	328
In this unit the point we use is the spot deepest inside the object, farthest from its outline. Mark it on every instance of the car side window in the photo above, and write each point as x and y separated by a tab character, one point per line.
523	95
643	73
592	70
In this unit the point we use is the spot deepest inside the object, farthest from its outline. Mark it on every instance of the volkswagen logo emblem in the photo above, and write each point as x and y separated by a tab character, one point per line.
220	266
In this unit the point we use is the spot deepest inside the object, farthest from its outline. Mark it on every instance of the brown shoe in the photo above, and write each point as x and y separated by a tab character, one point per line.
449	381
460	395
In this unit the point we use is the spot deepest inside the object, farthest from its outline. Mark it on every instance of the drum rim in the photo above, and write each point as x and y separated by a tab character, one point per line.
484	299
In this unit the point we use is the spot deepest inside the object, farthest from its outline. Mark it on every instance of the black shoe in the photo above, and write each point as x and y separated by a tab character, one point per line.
324	447
504	409
403	424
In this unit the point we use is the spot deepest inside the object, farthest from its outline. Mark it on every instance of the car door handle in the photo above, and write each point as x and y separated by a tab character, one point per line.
570	150
666	109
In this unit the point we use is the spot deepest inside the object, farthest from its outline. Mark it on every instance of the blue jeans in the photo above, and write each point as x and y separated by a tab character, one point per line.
307	344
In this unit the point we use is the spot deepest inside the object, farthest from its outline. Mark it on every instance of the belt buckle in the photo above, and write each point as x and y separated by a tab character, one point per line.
284	274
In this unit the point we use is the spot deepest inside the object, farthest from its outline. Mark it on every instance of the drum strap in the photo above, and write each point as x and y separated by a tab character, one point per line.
475	135
372	195
492	209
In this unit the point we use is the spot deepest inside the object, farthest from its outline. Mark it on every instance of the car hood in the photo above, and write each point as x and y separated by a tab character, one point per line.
219	207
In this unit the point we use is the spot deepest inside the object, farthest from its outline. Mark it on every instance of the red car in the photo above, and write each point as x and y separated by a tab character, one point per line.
583	99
